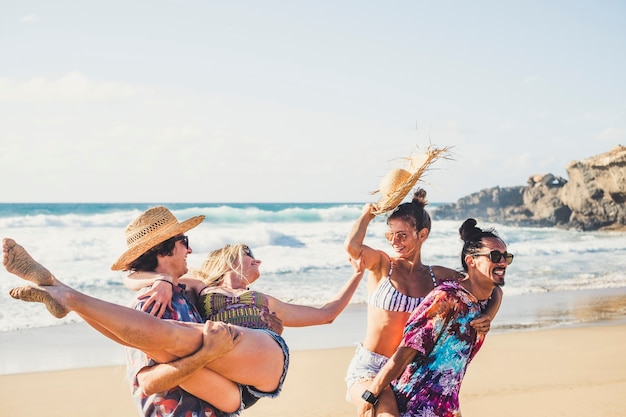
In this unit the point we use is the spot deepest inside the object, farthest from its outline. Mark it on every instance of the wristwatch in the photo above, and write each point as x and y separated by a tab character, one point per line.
370	397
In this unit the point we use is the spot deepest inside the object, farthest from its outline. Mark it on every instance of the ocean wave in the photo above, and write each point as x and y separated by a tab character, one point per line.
300	246
114	216
272	213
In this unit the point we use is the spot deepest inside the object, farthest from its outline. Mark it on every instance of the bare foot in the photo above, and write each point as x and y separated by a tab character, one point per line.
18	262
40	295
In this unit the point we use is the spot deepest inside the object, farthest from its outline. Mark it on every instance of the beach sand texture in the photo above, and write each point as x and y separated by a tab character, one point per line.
573	371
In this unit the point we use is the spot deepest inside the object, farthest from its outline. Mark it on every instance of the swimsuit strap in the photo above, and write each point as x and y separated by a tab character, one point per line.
387	297
432	275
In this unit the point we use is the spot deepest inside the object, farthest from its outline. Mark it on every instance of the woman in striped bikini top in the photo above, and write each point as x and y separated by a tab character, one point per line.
389	298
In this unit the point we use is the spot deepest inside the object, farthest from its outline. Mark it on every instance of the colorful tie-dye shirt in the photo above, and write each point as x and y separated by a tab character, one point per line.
440	331
175	402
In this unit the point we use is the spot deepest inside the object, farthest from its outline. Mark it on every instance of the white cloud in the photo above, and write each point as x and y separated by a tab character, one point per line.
529	79
31	18
72	87
75	138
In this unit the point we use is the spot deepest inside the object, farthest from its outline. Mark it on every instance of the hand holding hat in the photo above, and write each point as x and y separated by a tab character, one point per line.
398	182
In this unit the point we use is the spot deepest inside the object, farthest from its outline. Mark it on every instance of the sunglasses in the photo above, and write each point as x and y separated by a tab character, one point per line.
248	251
401	236
496	256
184	239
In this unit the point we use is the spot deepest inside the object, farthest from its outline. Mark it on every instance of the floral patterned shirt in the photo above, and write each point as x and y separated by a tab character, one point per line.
445	342
175	402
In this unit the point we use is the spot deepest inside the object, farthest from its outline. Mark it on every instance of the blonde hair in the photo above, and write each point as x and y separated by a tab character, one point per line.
219	263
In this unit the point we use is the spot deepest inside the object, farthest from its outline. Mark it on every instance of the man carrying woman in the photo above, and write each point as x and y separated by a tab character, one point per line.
162	372
178	365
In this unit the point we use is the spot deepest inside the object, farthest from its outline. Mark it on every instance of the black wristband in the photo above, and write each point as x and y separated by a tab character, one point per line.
370	397
164	280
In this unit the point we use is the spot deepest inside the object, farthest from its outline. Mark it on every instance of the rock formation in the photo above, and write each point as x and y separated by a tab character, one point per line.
592	199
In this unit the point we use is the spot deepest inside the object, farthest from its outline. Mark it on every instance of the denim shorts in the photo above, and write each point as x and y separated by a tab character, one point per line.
249	394
364	365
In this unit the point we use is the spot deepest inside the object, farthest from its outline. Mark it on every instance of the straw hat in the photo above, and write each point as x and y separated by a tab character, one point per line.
398	182
152	227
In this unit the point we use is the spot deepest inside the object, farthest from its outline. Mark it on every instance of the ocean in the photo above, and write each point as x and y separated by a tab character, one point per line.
303	261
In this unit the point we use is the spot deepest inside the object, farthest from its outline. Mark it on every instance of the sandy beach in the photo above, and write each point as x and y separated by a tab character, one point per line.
571	371
570	362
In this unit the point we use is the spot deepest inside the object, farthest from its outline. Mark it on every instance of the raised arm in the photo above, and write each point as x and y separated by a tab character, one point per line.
371	258
354	241
296	315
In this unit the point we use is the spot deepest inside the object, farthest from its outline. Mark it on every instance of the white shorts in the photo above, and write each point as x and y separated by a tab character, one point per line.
364	366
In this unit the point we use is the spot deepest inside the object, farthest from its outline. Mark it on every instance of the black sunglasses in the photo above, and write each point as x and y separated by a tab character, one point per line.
184	239
248	251
496	256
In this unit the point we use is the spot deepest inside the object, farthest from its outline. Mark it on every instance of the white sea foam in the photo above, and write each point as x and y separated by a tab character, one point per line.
301	247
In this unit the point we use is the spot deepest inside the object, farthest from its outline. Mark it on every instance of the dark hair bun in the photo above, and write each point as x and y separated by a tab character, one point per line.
468	230
419	197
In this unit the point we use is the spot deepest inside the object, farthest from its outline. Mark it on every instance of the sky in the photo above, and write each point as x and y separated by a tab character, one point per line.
291	101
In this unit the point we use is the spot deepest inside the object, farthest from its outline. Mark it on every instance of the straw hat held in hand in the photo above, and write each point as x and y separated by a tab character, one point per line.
398	182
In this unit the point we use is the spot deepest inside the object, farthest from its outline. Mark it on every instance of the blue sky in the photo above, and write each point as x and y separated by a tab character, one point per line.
287	101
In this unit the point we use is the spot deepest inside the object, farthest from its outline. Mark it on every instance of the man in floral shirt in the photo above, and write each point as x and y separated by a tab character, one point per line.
444	343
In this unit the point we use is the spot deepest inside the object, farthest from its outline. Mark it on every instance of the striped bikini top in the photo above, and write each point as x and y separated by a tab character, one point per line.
387	297
242	310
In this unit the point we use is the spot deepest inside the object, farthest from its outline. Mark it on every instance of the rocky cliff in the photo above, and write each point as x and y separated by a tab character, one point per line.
591	199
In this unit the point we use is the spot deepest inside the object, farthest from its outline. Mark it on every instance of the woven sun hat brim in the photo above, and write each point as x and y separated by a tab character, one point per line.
163	227
399	182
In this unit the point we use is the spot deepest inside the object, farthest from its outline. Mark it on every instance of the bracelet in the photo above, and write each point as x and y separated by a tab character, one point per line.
164	280
370	397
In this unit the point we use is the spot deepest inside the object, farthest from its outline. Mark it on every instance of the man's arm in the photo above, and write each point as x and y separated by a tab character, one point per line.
218	338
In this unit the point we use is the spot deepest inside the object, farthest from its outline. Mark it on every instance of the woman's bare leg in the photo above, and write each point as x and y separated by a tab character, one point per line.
133	327
215	389
18	262
257	360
